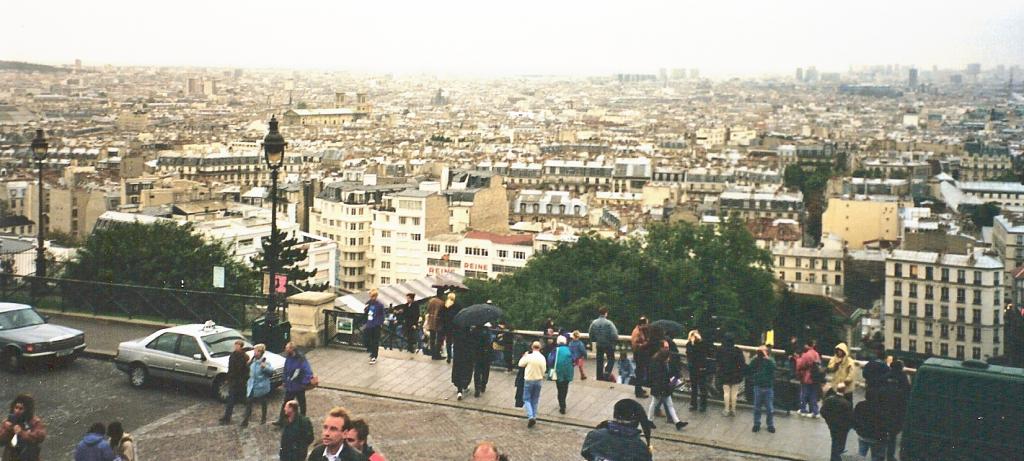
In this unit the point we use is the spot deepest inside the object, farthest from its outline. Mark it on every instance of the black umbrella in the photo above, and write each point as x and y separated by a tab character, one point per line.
478	314
670	327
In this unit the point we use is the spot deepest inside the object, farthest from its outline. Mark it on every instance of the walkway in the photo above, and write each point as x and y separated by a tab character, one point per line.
416	377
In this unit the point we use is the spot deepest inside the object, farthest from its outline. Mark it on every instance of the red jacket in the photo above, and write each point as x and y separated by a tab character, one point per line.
805	363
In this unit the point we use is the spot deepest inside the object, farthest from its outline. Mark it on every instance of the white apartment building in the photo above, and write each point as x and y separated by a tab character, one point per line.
478	254
945	305
811	271
1008	241
343	212
401	228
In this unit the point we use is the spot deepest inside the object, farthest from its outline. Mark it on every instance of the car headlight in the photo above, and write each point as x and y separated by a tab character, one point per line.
31	348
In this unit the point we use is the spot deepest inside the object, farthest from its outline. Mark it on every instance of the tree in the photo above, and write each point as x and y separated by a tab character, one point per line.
702	277
983	215
289	255
161	254
794	176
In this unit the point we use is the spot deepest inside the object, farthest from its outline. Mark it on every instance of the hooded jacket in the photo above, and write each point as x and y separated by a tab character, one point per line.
842	369
615	442
808	359
94	447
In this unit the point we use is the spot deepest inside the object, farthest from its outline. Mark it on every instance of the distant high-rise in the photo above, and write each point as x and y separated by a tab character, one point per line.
78	64
912	79
811	75
799	74
694	73
973	69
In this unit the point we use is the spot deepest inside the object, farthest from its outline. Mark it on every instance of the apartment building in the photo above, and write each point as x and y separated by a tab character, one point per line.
1008	241
76	204
811	271
343	212
749	203
478	254
945	305
401	228
983	161
476	200
541	206
860	220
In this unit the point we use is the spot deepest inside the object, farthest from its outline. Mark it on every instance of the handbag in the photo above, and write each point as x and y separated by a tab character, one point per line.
314	382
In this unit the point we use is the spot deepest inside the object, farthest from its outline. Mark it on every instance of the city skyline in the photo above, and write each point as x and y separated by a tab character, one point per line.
461	38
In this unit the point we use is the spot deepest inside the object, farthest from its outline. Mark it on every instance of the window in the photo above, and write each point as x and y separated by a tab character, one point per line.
944	330
417	237
897	307
913	327
944	294
897	344
977	277
913	271
839	280
385	280
913	290
799	276
960	333
502	253
929	272
913	346
977	298
385	234
945	275
451	249
928	347
433	247
929	292
897	325
976	335
913	309
838	266
410	204
385	249
385	264
929	311
959	352
164	343
976	353
976	316
897	288
928	329
944	349
898	270
961	295
961	276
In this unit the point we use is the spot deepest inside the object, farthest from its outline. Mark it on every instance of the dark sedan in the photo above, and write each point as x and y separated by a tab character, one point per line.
25	336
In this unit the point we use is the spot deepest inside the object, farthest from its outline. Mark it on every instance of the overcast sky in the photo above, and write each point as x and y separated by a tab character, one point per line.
487	37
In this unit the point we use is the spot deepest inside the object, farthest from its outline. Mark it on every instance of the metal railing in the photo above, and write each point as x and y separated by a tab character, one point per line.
167	305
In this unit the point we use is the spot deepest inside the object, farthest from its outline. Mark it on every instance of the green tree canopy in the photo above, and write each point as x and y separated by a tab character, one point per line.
289	255
162	254
698	276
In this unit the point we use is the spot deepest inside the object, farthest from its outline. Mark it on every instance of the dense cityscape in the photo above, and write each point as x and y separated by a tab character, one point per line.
783	240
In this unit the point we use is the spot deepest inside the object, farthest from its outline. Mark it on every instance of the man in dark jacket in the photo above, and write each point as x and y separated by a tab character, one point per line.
296	434
410	317
697	354
869	422
838	414
874	372
604	335
433	325
619	439
238	376
333	446
94	446
731	365
893	394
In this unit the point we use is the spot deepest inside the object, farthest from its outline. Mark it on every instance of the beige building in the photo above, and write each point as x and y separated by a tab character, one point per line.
401	229
75	206
945	305
858	221
1008	241
811	271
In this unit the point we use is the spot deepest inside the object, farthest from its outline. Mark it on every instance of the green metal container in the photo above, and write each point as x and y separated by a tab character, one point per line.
964	410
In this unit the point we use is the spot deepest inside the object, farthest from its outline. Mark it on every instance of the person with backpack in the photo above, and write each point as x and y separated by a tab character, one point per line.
811	376
731	365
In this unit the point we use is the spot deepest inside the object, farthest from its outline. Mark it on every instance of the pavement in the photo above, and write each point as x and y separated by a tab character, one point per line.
415	381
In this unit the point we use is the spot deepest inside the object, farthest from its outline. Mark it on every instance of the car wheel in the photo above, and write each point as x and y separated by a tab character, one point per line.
12	360
220	388
138	376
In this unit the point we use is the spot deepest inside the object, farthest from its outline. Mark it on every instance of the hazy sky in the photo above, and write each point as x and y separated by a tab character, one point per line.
487	37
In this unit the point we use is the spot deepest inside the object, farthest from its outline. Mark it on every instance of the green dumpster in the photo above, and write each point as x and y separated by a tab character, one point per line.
275	337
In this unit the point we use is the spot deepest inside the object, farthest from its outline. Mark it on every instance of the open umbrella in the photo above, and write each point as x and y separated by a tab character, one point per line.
670	327
478	314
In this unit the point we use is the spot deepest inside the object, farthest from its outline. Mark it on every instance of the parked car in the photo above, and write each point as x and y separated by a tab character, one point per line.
26	336
193	354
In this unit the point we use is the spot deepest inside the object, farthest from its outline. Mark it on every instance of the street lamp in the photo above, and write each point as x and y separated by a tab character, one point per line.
273	150
39	148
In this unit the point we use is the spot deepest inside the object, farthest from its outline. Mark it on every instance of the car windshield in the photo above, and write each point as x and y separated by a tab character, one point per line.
221	344
19	319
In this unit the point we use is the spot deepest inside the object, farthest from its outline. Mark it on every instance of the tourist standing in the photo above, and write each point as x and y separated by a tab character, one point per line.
258	387
563	371
605	336
838	414
762	376
731	365
841	366
579	353
410	318
356	437
333	446
451	309
807	367
433	325
535	364
297	376
238	376
374	320
23	423
296	434
698	353
464	351
638	340
483	353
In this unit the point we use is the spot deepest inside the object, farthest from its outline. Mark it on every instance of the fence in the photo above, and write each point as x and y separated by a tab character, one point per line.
168	305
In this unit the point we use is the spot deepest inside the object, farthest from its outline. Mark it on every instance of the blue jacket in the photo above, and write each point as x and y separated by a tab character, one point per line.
578	349
94	447
259	379
602	331
374	314
563	363
297	373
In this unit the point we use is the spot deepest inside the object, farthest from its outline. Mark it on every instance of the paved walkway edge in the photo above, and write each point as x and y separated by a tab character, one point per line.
669	436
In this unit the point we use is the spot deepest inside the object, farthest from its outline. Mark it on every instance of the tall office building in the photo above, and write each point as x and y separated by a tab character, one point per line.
799	74
912	80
